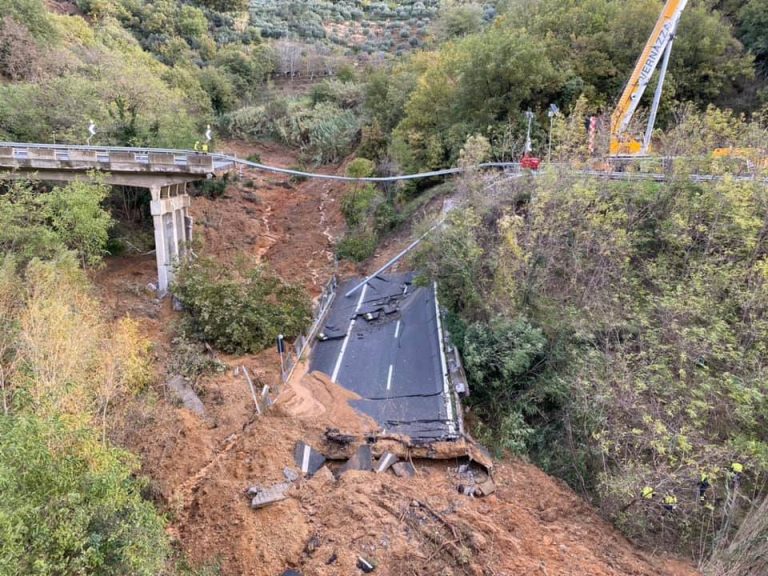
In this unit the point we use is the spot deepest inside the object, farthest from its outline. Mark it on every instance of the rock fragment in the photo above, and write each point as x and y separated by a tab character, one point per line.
183	391
404	469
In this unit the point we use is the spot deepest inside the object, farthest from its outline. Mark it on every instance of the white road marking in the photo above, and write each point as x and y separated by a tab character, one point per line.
397	329
443	365
385	463
346	338
389	377
305	459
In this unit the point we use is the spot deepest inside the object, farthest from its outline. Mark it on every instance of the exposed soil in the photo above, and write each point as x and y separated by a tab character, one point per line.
200	468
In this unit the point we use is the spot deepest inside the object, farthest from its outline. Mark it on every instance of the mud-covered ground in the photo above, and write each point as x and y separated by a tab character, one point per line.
200	467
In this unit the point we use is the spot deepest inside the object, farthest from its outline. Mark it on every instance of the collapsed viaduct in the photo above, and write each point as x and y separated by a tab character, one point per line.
165	173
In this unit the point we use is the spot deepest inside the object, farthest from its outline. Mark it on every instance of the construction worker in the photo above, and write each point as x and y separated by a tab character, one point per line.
703	486
647	493
205	147
197	145
670	502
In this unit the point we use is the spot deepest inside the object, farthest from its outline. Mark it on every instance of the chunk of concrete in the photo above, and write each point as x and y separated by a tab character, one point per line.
290	474
404	469
308	459
362	459
271	495
182	390
385	462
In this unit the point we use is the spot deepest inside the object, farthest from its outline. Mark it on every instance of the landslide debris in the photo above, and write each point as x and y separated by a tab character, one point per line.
401	525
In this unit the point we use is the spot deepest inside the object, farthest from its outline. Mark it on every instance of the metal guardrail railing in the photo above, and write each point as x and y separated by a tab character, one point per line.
302	342
20	150
114	159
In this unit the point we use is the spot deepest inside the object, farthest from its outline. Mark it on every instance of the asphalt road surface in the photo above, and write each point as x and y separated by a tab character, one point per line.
383	342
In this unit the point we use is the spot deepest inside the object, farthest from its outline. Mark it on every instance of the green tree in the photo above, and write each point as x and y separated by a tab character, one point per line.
71	505
35	224
753	27
458	19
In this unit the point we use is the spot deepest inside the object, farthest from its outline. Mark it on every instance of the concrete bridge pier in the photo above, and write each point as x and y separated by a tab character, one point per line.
173	229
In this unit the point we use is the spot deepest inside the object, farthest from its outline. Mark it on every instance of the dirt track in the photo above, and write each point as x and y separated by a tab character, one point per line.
199	469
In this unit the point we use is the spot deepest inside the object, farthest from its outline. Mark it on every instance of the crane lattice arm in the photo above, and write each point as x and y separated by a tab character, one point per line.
658	46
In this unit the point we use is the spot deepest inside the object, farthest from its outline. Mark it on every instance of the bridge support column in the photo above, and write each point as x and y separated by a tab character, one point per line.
169	208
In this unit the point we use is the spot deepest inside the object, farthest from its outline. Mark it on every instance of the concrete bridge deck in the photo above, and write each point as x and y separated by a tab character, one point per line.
165	173
122	166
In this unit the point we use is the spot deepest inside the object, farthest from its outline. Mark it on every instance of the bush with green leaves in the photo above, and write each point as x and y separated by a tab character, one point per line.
653	299
359	203
239	312
38	223
71	505
358	245
503	359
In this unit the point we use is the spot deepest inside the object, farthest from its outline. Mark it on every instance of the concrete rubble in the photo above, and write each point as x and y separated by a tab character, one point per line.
404	469
182	390
385	462
265	496
365	565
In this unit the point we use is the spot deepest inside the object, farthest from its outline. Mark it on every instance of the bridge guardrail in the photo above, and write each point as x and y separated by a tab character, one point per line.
302	341
110	158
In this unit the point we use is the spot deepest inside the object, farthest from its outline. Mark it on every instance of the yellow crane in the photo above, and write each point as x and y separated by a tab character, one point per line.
657	49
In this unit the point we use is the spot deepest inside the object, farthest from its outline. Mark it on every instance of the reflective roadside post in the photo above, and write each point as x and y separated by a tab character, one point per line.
528	144
553	111
91	131
281	351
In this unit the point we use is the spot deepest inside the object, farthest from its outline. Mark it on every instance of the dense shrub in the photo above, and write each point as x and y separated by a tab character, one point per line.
357	245
71	505
239	313
35	224
358	204
644	367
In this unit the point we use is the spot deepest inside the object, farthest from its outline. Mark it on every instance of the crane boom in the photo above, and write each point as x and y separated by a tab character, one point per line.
658	46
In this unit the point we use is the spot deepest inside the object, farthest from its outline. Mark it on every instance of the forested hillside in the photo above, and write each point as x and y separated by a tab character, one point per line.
615	334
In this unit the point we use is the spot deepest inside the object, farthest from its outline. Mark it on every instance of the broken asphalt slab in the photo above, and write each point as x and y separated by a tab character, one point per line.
385	462
390	355
307	458
362	459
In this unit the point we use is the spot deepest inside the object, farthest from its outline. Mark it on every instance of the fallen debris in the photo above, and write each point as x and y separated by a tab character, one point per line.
385	462
308	459
365	565
183	391
290	474
404	469
361	460
266	496
333	435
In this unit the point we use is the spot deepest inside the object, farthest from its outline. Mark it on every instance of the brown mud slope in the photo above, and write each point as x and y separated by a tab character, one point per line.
291	226
421	525
200	467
